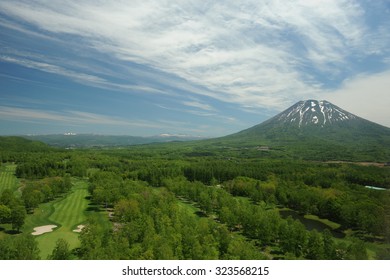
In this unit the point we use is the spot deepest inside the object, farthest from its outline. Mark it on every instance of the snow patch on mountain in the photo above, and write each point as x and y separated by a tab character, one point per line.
314	112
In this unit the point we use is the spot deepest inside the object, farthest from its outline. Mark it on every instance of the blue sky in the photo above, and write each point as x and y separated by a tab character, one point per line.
205	68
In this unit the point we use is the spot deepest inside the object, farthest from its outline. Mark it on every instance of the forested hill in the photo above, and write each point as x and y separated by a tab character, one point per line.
12	146
20	144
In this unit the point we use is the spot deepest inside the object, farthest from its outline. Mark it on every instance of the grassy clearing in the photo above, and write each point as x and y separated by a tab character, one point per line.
8	179
188	206
327	222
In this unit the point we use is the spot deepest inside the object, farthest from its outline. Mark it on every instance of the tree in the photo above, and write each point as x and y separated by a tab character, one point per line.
18	214
61	251
5	214
26	248
293	236
329	246
315	246
19	247
241	250
32	197
66	183
6	248
7	197
205	202
357	250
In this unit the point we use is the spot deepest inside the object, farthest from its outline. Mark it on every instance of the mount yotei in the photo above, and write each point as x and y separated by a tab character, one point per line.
313	112
319	130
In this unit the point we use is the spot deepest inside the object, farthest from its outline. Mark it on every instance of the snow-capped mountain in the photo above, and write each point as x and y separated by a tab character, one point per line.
314	112
317	130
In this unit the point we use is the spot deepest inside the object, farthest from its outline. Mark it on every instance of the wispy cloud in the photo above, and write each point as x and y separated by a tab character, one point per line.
257	53
366	95
54	69
80	77
200	112
87	119
73	118
199	105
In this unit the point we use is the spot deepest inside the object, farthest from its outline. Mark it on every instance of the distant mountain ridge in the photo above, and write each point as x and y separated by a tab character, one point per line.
74	140
308	130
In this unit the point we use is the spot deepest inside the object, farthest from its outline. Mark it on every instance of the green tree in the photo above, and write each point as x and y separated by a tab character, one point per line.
205	202
32	197
293	237
18	214
241	250
315	246
7	197
5	214
66	183
329	246
61	250
19	247
357	250
26	247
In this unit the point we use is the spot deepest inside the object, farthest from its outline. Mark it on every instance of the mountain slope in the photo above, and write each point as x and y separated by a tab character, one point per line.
20	144
314	129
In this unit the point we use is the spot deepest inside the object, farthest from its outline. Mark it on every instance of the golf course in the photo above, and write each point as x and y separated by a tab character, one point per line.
59	219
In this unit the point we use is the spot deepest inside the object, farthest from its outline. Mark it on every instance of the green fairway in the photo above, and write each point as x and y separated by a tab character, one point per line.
327	222
8	179
67	213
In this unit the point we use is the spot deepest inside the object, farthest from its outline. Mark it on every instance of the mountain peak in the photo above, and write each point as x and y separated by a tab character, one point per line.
317	129
313	112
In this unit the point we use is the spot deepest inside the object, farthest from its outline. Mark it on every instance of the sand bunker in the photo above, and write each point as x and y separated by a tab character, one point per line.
43	229
79	228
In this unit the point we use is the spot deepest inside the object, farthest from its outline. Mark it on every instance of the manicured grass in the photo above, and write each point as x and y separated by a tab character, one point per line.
8	179
187	206
67	213
327	222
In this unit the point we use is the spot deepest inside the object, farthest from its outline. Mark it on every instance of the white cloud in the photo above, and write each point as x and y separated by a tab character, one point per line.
77	76
245	52
366	96
70	117
54	69
199	105
91	120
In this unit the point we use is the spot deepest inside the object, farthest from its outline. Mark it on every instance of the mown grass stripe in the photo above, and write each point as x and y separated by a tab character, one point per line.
8	179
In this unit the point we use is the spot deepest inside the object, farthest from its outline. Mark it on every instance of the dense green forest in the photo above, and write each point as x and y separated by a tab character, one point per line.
174	201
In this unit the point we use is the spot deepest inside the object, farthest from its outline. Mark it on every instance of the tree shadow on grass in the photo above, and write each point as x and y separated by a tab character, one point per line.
9	231
12	231
94	208
201	214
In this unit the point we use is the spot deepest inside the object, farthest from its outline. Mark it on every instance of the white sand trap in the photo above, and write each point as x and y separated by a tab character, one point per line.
79	228
43	229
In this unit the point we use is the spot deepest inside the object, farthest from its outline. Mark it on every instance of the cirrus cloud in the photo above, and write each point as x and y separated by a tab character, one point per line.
256	54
